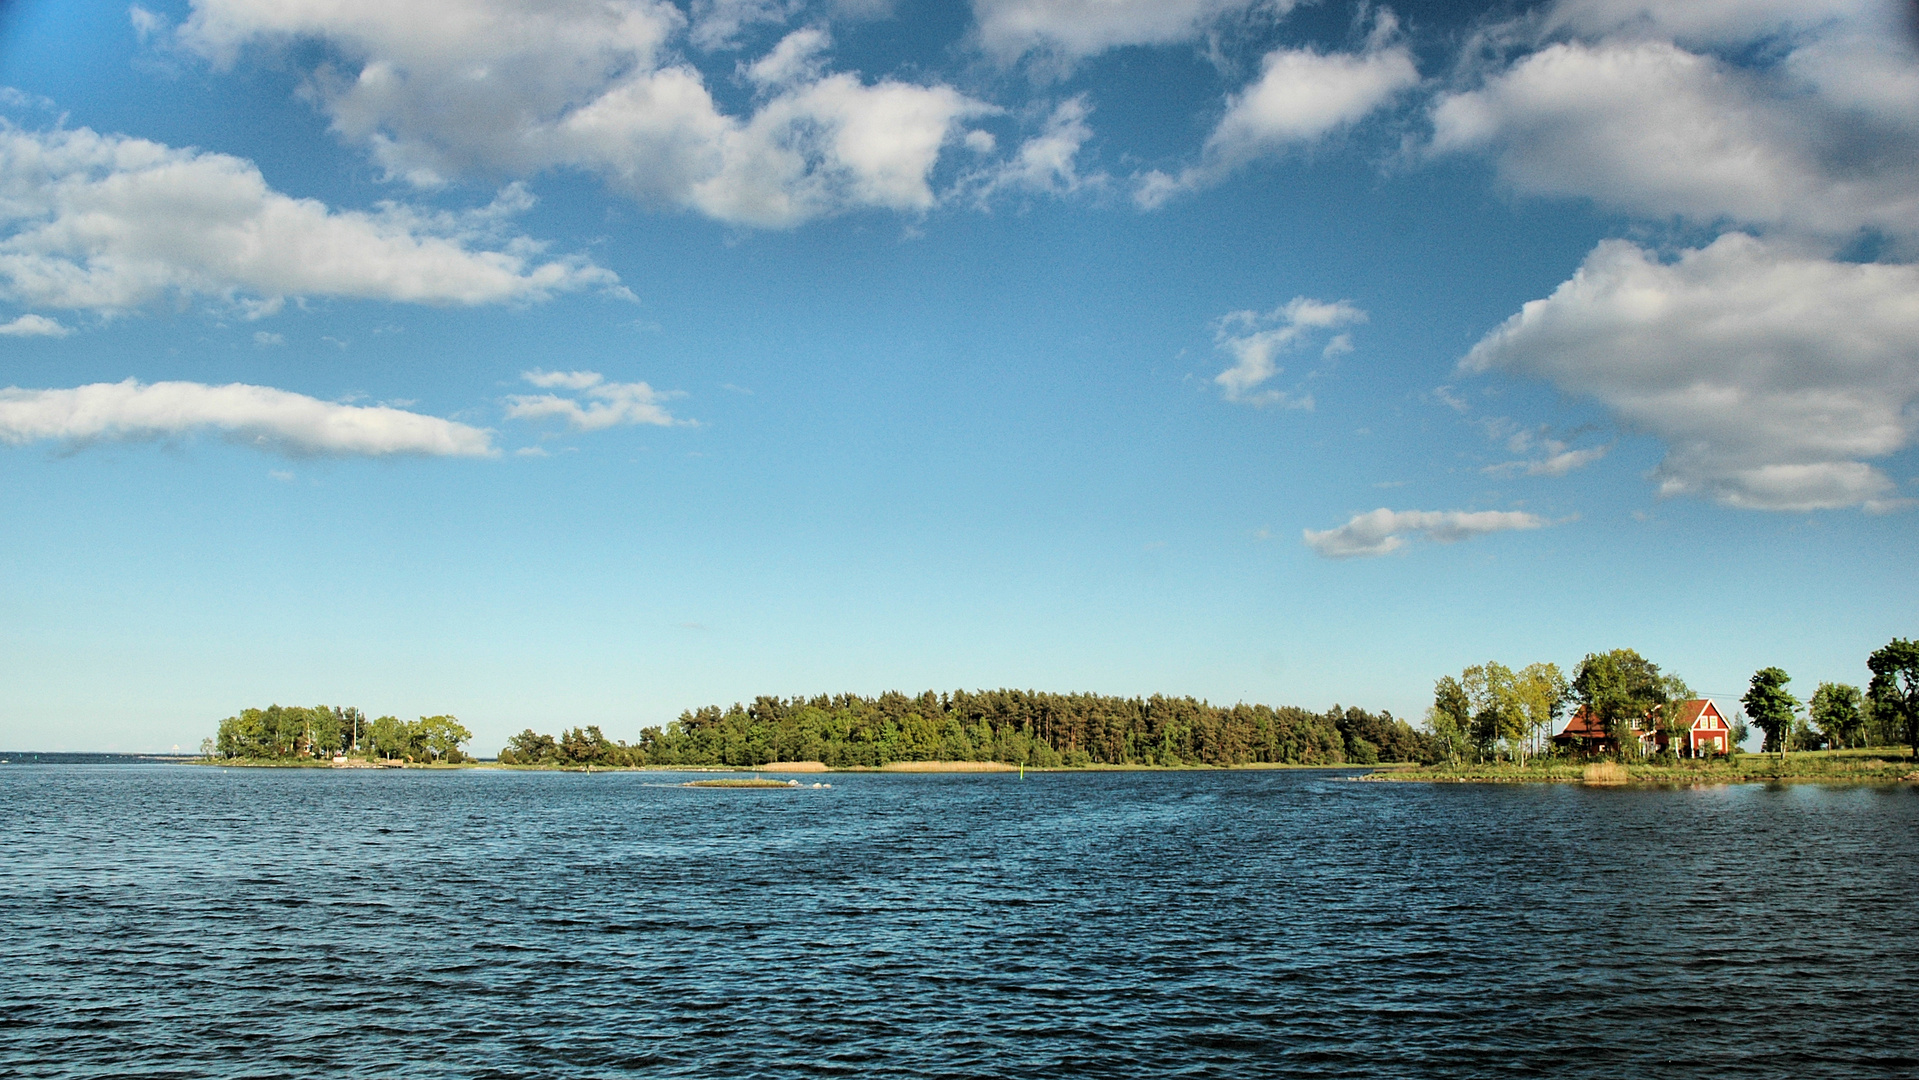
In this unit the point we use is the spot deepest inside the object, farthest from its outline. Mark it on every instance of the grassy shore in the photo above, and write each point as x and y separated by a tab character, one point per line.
1886	764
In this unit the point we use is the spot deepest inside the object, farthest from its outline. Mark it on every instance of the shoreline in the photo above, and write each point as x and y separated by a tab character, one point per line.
1882	765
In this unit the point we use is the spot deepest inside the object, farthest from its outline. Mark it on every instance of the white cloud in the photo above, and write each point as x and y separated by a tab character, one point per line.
1075	29
1544	455
110	223
1558	459
274	420
34	326
1772	377
1650	128
146	24
1557	462
797	58
1255	341
445	88
1382	531
1047	163
601	404
717	23
1709	22
568	380
828	145
1301	96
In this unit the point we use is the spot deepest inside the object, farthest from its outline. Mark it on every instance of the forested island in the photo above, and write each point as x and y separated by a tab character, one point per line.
292	734
1489	722
1016	727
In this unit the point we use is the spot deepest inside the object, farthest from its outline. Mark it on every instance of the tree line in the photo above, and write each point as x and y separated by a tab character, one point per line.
1838	715
1489	711
1017	727
294	733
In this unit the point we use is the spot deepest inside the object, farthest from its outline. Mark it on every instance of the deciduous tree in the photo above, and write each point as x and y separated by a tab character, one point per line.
1894	689
1771	707
1620	688
1835	709
1541	691
1451	716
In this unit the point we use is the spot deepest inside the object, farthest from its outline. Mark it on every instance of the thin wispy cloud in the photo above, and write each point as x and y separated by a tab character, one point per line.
1066	31
595	404
277	421
1256	340
1384	531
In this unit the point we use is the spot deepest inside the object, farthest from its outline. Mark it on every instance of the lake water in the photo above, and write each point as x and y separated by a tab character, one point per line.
166	920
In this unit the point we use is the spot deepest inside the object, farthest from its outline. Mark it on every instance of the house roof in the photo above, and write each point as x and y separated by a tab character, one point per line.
1584	725
1690	711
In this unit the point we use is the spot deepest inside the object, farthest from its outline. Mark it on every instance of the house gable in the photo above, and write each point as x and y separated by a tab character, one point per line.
1709	717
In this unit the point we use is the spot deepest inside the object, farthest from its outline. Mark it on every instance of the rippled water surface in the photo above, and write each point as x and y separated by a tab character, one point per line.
167	920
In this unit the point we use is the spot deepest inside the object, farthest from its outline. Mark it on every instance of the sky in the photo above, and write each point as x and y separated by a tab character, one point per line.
552	363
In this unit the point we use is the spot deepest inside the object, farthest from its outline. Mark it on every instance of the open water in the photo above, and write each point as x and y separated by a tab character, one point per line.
167	920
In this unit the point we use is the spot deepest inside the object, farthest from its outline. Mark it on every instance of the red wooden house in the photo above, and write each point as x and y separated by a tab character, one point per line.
1703	729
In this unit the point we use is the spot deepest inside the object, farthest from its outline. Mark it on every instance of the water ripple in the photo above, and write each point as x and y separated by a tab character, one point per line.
172	921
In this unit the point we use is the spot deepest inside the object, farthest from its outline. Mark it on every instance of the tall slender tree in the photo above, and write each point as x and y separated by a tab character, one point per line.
1451	716
1541	691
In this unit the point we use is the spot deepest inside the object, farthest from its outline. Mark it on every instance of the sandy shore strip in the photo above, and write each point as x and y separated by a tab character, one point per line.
947	766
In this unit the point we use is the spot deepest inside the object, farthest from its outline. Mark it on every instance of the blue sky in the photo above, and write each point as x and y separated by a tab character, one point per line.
554	364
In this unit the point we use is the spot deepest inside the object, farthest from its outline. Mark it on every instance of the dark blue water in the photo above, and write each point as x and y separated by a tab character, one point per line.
179	921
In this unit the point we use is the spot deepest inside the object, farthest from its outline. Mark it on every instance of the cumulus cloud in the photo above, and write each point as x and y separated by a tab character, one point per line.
110	223
438	89
34	326
1074	29
1818	145
1773	378
1383	531
1255	340
278	421
598	405
1301	96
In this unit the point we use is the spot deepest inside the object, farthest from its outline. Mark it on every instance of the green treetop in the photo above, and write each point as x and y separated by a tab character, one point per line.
1620	689
1835	709
1894	690
1771	707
